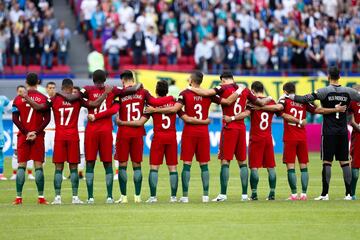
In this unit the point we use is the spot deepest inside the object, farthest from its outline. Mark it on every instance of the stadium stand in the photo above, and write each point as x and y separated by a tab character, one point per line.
248	35
32	39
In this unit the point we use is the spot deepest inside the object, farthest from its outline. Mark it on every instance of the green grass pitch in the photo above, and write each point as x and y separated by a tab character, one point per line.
335	219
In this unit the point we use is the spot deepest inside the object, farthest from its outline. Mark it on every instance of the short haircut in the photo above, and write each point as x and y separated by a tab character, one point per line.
77	88
50	83
197	77
32	79
99	76
162	88
334	73
257	87
289	87
20	86
67	83
226	74
127	75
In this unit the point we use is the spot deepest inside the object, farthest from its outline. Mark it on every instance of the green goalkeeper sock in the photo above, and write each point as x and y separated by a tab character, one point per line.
58	181
40	181
122	180
153	180
254	180
174	183
224	178
109	175
304	179
74	178
244	176
354	179
292	180
89	175
137	180
20	180
185	179
272	181
205	177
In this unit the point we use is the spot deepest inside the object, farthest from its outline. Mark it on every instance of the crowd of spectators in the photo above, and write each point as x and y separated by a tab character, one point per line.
31	35
237	34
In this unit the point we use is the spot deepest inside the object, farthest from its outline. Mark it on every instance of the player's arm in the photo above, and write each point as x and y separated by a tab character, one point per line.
238	117
291	119
355	126
320	94
46	120
354	95
36	106
271	108
17	121
135	123
156	102
107	113
127	91
203	92
338	108
194	121
167	110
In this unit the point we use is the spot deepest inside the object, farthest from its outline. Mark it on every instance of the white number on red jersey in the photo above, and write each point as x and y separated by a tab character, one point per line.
198	111
101	108
297	114
167	120
264	121
62	114
237	107
30	113
133	108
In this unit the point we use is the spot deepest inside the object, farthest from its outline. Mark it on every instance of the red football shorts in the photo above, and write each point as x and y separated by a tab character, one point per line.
195	145
232	142
293	149
31	150
164	146
98	142
132	146
66	151
355	151
261	153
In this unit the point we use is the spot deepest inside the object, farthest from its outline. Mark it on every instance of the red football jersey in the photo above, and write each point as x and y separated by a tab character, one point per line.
261	123
92	93
237	107
355	109
198	107
292	131
165	123
30	118
66	115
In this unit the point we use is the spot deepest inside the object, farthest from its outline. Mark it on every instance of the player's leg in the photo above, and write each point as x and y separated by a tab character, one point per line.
172	162
187	153
109	175
256	152
81	165
122	152
355	164
289	157
269	163
226	152
37	153
203	157
174	179
73	157
59	167
157	152
342	155
240	154
328	147
254	180
105	152
14	164
91	150
303	157
136	153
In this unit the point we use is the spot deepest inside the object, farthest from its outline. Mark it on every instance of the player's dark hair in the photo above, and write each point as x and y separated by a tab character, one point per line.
257	87
197	77
289	87
77	88
50	83
162	88
226	74
334	73
32	79
99	76
20	86
127	75
67	83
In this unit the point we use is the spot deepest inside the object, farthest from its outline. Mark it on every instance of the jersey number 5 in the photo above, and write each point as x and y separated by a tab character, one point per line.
166	124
